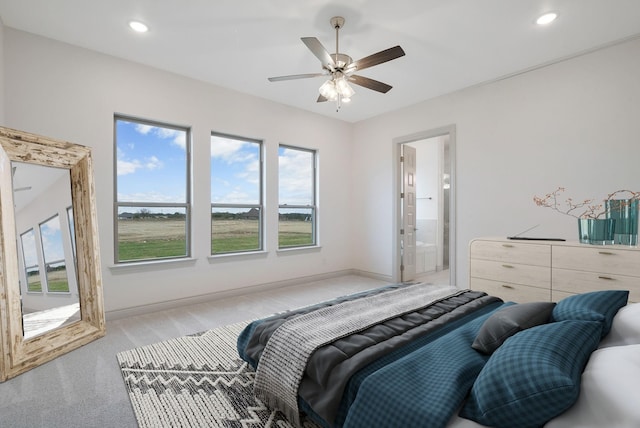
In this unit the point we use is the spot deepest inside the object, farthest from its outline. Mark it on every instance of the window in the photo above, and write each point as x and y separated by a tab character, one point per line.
297	197
55	265
30	259
151	191
236	194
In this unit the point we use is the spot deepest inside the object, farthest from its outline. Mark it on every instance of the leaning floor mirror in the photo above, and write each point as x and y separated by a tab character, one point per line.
51	299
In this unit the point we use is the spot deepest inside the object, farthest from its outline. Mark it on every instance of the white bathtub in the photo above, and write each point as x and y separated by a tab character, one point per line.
426	257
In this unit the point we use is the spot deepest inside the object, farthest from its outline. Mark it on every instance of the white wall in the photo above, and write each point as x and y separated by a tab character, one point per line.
71	93
573	124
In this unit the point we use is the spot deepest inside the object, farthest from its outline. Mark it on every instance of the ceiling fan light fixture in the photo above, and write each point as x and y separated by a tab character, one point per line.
329	90
343	88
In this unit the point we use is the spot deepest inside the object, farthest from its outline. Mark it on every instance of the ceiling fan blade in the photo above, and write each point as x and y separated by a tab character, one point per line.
370	83
376	58
295	76
322	99
320	52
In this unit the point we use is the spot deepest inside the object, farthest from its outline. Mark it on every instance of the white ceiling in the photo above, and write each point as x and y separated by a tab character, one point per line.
32	180
449	44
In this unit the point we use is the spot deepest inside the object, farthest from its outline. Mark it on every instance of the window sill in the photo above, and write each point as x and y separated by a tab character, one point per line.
218	258
296	250
150	265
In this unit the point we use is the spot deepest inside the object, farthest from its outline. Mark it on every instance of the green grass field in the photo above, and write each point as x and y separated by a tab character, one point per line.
57	282
156	238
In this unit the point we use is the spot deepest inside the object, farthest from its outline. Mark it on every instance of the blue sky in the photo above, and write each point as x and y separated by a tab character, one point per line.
295	169
151	163
151	167
51	237
29	248
235	171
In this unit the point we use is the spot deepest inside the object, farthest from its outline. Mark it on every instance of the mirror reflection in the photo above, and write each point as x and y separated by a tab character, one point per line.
46	248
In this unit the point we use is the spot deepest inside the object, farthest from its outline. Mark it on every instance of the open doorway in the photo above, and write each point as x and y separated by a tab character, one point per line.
425	244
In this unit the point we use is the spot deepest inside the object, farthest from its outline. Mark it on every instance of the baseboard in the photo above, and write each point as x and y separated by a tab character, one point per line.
218	295
372	275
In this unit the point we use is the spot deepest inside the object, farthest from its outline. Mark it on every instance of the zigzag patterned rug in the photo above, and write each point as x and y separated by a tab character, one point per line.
196	381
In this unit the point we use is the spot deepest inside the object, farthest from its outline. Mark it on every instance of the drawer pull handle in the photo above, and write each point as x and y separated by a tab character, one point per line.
507	245
606	253
510	287
507	266
608	278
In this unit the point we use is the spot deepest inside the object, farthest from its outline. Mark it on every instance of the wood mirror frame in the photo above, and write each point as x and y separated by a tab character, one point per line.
17	354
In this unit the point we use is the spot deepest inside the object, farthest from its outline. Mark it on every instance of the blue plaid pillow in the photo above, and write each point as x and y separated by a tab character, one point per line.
534	376
599	306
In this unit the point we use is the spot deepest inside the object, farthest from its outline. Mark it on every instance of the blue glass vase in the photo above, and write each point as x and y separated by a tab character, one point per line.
596	231
625	213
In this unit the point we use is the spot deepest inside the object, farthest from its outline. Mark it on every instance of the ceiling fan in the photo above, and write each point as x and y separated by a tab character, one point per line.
341	67
18	189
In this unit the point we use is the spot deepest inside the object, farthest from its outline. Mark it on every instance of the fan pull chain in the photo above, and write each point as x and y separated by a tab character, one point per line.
337	31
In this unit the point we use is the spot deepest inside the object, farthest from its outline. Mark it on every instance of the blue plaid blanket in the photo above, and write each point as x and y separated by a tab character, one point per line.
423	387
391	374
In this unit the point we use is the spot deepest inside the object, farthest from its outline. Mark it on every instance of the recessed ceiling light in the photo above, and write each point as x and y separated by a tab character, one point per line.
547	18
138	26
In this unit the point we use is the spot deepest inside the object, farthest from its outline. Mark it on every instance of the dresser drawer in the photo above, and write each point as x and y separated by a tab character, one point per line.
535	276
510	292
513	252
575	282
600	259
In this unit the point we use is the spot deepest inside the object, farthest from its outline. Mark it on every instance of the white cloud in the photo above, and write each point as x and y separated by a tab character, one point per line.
144	129
51	238
295	177
29	248
149	197
224	148
128	167
178	137
236	196
153	163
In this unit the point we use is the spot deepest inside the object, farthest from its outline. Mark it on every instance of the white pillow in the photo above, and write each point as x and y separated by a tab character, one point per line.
625	329
609	393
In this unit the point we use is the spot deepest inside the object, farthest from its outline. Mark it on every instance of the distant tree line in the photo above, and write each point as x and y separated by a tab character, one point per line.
145	213
252	214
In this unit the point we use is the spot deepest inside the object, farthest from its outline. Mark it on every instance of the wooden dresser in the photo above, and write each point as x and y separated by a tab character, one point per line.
528	271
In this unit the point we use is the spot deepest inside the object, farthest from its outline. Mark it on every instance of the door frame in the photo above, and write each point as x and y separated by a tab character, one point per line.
397	203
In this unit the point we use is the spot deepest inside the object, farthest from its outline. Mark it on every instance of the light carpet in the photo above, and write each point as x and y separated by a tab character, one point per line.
196	381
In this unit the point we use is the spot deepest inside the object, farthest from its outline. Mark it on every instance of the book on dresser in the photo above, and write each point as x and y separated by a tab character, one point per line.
535	270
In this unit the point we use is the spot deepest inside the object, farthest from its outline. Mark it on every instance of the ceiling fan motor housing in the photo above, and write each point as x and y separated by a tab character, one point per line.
337	22
342	61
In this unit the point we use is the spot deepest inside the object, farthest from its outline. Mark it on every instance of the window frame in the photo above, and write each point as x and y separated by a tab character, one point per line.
259	205
313	207
187	205
24	261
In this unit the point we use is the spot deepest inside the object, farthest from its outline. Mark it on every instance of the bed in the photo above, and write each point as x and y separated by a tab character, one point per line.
436	356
